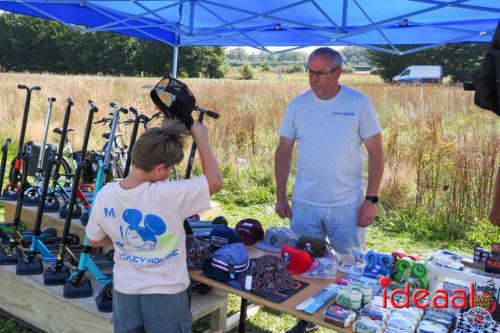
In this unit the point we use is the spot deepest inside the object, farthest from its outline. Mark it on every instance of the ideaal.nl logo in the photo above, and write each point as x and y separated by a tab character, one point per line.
480	300
475	296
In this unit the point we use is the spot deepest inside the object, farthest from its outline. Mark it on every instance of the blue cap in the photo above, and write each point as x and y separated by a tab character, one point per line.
221	236
227	262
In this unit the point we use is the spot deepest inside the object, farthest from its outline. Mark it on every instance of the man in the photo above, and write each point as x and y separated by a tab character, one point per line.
330	122
495	207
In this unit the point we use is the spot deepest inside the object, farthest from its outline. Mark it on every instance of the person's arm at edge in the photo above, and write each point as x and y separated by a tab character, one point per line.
495	208
282	166
208	162
375	149
102	243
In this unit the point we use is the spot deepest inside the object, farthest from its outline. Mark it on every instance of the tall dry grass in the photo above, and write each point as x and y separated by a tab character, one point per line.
441	150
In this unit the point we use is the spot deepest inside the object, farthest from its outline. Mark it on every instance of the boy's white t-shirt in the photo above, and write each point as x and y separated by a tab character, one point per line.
146	226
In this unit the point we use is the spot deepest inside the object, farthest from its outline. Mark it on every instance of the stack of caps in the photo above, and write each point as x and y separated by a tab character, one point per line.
221	236
227	263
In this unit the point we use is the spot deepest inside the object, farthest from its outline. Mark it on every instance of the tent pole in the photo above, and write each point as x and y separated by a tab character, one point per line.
174	62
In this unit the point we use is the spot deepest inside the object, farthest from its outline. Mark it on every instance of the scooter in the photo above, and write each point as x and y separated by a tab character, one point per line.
7	230
58	273
32	195
63	211
78	285
11	191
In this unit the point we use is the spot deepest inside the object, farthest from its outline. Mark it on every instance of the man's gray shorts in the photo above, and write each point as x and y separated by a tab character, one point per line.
152	313
339	223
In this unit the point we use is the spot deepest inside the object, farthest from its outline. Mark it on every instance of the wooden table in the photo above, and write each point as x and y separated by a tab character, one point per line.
287	306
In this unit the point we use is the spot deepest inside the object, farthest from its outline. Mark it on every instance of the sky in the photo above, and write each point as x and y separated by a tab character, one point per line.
307	50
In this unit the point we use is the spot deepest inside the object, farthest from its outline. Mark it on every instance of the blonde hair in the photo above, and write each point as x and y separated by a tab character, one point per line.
160	145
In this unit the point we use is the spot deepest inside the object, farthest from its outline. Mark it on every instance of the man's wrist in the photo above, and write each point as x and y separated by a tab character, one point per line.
372	198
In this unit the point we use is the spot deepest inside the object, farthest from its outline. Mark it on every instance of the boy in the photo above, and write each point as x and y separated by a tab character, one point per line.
142	216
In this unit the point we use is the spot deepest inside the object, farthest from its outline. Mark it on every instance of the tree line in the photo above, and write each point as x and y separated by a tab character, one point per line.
38	45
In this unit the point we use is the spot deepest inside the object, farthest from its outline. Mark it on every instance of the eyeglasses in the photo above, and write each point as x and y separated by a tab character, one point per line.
320	74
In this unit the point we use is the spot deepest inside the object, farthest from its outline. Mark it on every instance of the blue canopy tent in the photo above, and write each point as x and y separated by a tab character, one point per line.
378	25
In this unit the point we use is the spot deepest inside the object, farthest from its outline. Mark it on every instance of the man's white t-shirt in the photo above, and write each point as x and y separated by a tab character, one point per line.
329	134
146	226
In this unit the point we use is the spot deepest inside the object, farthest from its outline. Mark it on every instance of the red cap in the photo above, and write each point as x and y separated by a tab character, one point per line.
298	260
250	231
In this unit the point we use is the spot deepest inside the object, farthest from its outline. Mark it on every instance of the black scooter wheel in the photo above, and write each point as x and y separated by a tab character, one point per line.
49	232
73	239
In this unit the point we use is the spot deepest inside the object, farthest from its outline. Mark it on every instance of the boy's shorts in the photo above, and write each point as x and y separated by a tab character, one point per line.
339	223
151	313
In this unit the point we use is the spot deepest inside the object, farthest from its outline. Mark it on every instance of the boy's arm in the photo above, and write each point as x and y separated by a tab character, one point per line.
106	241
208	162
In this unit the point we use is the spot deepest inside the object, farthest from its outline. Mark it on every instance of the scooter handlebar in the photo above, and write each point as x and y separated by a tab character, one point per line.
6	145
51	99
118	108
92	107
133	111
209	113
70	101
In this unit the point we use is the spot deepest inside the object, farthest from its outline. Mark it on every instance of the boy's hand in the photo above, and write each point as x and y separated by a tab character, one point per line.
199	132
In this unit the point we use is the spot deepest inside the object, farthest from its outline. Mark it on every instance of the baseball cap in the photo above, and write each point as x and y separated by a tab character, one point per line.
227	262
221	236
250	231
275	238
315	246
298	260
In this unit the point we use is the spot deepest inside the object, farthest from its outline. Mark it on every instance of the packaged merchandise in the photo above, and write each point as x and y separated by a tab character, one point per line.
339	316
368	325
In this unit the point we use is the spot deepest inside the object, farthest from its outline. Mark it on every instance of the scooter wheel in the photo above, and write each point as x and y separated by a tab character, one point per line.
107	291
49	232
32	194
73	239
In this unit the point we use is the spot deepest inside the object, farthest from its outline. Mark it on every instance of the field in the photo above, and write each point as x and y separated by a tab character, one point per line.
441	150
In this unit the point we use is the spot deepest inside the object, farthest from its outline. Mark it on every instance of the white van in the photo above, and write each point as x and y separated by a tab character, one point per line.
420	74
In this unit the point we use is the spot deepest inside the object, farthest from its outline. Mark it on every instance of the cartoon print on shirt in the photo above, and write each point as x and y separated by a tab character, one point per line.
137	237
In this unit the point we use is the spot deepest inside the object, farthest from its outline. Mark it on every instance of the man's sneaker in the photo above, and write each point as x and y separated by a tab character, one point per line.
302	327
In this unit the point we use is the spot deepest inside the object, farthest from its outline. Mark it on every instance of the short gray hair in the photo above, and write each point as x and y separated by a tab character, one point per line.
329	52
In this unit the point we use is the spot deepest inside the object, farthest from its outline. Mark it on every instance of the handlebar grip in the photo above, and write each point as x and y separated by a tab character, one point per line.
133	111
36	88
93	108
113	105
209	113
212	114
125	111
70	101
6	145
51	99
22	86
145	118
